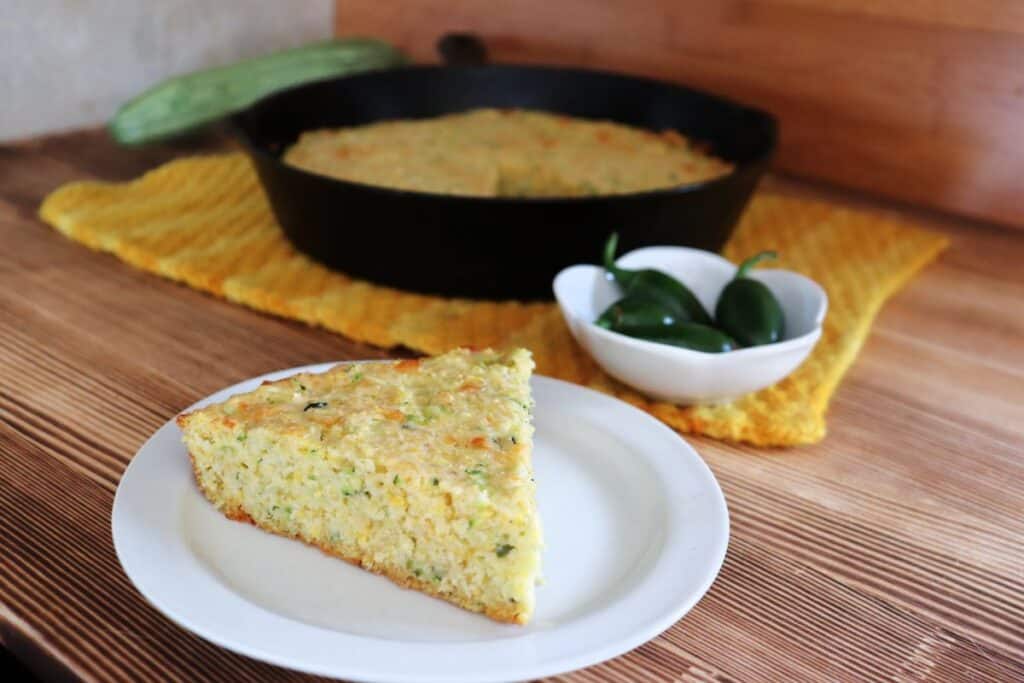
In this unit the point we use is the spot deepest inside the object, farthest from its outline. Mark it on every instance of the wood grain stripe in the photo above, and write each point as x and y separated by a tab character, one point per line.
879	636
78	603
34	429
28	645
74	590
913	576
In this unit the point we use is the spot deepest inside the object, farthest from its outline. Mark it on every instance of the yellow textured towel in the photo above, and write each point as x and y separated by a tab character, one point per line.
206	222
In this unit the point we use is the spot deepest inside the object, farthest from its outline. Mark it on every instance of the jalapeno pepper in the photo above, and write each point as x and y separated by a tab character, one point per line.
649	320
654	285
635	312
748	310
697	337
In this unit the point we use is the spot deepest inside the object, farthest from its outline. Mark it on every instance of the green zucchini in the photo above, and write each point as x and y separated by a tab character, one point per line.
186	102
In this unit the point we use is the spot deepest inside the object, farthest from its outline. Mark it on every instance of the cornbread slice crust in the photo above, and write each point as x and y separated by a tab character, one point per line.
416	470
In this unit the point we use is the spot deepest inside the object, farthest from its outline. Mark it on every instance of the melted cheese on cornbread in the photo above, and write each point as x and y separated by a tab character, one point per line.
419	470
505	152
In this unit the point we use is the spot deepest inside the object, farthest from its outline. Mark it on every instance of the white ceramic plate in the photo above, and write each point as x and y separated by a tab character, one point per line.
635	527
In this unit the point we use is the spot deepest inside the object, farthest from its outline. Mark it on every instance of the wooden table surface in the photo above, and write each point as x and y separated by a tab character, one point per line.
892	550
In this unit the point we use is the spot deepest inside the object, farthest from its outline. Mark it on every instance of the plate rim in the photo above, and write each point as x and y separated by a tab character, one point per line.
553	666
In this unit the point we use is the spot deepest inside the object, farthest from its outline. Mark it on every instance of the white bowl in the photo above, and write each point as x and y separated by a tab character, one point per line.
681	375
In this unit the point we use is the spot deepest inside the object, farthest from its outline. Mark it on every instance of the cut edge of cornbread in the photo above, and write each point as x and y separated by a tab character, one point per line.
503	614
221	434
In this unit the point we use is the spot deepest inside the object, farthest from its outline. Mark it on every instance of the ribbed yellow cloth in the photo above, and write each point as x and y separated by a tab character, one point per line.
205	221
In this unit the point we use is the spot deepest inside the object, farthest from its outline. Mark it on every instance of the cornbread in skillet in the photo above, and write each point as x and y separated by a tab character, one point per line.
417	470
506	153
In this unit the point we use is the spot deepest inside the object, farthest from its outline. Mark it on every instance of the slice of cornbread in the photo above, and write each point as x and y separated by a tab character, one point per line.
417	470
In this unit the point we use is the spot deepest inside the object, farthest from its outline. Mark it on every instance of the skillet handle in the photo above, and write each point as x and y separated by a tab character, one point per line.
462	49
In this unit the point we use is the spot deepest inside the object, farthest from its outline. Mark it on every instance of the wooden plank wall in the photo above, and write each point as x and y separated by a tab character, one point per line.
919	100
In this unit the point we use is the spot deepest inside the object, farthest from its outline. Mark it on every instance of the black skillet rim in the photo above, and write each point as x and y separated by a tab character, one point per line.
769	121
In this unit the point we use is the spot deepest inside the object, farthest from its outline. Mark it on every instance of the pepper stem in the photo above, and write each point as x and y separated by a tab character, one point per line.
753	261
610	247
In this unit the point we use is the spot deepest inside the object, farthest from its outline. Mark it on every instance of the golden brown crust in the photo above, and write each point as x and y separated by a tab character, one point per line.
509	615
490	152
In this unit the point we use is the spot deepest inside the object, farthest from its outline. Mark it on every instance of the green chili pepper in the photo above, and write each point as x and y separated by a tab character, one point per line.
645	319
654	285
748	310
636	312
696	337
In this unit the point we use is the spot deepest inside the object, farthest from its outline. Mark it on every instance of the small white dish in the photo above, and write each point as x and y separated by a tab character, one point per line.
681	375
635	530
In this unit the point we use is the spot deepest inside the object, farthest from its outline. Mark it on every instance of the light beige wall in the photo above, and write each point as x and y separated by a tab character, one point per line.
70	63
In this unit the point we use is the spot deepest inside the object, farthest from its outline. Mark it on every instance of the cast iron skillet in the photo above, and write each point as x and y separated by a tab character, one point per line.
495	248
